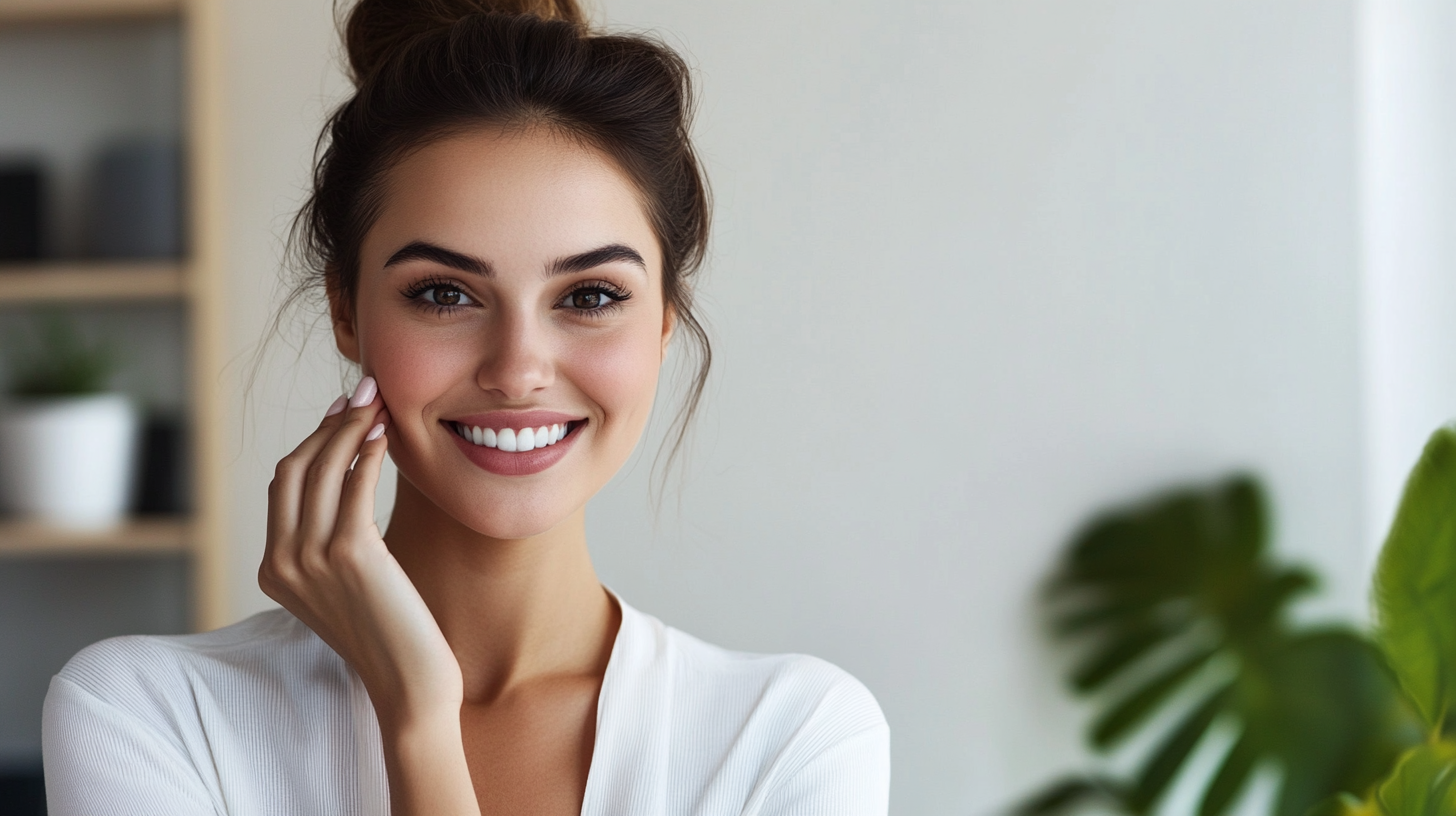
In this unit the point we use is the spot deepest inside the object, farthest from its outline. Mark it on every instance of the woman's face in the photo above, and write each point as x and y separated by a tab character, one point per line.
511	283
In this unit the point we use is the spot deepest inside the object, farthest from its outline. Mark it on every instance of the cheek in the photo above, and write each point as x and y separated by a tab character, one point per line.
619	374
413	366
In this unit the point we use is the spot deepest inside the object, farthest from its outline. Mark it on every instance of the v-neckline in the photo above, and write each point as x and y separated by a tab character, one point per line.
614	661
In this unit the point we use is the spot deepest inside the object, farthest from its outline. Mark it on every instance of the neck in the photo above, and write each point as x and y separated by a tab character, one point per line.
513	610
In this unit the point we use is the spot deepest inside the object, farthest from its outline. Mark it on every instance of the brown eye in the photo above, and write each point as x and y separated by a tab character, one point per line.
593	299
443	295
586	300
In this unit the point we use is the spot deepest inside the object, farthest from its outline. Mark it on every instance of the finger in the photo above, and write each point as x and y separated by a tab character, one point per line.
314	442
285	493
325	478
356	505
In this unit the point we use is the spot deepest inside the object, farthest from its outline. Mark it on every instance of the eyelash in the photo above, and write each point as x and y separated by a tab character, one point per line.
616	294
416	294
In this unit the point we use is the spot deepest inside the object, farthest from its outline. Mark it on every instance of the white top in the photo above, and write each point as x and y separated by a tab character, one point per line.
264	718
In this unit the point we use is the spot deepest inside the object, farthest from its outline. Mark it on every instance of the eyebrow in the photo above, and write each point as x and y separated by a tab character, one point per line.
425	251
611	253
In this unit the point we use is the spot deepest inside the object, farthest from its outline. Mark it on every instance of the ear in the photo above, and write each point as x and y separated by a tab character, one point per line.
669	325
346	334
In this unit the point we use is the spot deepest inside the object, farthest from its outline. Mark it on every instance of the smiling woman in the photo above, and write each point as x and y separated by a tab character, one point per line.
505	222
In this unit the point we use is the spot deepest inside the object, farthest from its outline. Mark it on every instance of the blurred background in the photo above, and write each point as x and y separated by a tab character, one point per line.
980	269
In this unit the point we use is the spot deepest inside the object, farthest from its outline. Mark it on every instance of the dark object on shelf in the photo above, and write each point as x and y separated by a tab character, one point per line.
21	188
136	201
162	481
22	792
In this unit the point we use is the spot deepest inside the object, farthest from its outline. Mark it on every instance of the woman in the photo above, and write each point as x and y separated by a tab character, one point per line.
505	222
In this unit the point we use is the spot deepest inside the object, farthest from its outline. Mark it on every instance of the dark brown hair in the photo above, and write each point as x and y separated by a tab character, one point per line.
424	69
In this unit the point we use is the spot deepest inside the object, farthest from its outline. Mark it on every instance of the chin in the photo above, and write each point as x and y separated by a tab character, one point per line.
499	514
512	526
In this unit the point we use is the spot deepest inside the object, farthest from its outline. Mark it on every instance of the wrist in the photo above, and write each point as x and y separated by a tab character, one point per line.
419	721
424	757
414	703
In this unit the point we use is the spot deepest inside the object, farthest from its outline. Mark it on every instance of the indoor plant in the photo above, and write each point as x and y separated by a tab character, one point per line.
1179	598
67	443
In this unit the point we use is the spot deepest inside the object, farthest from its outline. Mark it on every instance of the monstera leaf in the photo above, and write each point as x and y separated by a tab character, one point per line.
1182	614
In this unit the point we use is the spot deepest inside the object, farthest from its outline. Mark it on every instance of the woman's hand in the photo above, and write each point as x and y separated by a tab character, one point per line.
327	564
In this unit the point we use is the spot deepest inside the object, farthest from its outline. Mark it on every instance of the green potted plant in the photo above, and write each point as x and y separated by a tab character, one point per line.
1181	612
67	441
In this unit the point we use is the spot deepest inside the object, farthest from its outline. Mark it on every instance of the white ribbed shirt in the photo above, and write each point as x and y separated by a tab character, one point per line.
264	718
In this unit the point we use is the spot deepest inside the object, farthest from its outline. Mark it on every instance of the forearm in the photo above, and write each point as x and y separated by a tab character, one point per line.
425	760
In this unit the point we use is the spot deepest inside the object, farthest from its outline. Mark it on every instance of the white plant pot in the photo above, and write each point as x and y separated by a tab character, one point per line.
69	461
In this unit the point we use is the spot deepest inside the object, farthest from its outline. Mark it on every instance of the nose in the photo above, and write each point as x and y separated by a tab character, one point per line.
517	358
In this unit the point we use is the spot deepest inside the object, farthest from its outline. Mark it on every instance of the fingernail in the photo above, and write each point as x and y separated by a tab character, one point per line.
375	432
337	406
364	393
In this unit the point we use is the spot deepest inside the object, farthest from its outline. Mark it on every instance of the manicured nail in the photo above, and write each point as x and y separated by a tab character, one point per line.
364	393
375	432
337	406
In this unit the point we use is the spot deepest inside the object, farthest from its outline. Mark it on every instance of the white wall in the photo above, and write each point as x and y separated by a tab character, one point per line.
281	79
980	268
1407	82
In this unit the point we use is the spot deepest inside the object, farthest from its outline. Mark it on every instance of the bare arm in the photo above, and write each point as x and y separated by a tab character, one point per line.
327	563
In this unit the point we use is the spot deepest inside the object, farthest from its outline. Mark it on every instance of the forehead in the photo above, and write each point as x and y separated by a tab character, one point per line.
512	197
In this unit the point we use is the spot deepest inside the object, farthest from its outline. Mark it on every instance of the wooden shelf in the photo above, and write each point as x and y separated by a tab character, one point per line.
197	282
71	283
22	12
140	536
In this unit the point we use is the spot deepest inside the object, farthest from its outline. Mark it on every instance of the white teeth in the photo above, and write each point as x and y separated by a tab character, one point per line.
511	440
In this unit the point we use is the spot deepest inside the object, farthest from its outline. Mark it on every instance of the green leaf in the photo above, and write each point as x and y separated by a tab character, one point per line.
1118	653
1134	709
1068	794
1170	595
1421	784
56	360
1169	757
1415	583
1231	776
1336	721
1343	804
1084	617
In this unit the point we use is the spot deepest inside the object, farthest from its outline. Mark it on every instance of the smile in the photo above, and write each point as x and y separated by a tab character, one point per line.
513	440
515	443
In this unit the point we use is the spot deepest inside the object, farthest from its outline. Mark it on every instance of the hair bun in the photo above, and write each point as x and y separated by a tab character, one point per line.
376	28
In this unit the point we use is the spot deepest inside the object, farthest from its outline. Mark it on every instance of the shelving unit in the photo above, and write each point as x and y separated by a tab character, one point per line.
91	283
138	536
193	284
63	11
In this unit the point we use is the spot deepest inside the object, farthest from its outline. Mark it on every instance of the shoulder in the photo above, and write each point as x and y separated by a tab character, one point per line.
149	676
737	731
768	714
786	692
254	718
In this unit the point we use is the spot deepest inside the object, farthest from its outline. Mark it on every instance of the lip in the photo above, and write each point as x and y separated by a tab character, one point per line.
525	463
